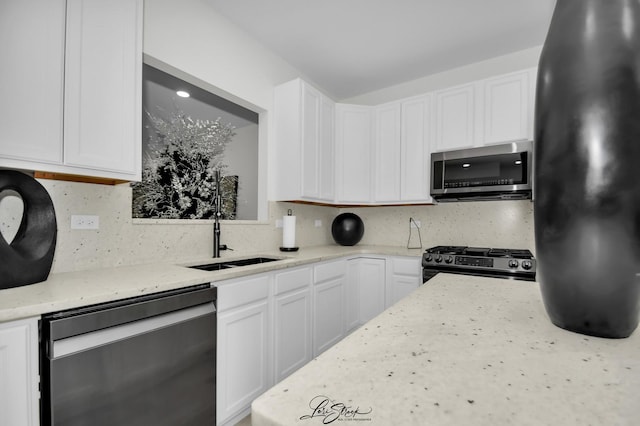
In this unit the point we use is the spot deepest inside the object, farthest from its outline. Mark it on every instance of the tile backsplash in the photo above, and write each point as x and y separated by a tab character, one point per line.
506	224
121	240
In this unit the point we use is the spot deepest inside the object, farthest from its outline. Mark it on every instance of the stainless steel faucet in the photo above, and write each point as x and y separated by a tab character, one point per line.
217	213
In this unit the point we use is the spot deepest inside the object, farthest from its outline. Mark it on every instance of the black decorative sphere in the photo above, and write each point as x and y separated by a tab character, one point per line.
347	229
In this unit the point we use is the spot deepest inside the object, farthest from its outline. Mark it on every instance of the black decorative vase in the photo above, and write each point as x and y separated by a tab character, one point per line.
347	229
29	257
587	167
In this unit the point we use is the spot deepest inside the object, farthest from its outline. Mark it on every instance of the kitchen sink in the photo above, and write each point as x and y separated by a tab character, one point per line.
228	264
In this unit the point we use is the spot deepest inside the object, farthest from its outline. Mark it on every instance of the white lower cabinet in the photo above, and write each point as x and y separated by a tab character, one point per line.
272	324
367	277
242	345
352	302
404	275
292	321
19	378
328	305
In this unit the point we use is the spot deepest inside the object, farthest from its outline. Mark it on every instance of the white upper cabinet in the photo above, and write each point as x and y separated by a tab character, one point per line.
455	123
353	142
387	165
310	142
31	80
355	154
326	150
303	144
78	65
402	154
508	107
103	74
415	153
490	111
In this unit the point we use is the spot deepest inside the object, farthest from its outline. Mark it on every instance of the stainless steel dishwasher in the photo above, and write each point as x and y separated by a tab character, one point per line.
149	360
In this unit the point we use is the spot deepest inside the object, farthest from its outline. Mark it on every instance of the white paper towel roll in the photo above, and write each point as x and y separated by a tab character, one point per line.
288	231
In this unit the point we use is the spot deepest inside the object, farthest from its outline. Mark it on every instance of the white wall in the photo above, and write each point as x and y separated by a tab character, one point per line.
500	65
240	156
192	36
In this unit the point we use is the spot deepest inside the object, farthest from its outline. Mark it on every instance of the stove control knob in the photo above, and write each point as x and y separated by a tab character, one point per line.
438	258
428	258
513	263
448	259
526	264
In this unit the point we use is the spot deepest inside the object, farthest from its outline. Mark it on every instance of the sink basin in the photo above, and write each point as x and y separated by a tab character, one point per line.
228	264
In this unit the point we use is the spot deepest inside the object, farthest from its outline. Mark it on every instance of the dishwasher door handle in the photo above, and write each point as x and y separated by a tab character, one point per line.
71	345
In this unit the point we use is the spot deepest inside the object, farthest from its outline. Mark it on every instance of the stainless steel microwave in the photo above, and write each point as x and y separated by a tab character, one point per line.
496	172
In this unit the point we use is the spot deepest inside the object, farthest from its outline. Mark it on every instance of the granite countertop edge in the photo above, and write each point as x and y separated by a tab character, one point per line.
67	290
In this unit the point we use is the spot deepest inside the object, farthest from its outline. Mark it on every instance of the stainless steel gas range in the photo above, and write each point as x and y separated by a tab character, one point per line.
492	262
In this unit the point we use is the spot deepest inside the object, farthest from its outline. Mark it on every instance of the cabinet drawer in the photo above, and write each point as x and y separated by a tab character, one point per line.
406	266
329	271
292	280
241	292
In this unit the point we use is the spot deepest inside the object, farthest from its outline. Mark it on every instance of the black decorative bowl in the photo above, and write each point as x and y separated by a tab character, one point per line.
347	229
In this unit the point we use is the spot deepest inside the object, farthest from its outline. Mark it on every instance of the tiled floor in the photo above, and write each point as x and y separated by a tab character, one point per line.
245	422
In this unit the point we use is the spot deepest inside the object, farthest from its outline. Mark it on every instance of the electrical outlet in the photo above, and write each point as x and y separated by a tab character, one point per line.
416	224
317	223
83	221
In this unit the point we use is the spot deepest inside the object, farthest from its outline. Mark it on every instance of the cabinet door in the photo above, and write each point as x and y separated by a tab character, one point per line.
326	151
303	146
328	313
387	153
292	332
103	77
243	345
352	296
507	108
415	150
31	80
310	141
403	276
292	321
454	118
19	373
353	141
402	286
371	288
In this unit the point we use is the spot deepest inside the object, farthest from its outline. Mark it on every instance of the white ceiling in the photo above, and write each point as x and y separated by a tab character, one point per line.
352	47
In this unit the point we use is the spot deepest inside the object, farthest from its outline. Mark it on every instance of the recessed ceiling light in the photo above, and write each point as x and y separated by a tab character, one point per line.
518	162
465	165
183	94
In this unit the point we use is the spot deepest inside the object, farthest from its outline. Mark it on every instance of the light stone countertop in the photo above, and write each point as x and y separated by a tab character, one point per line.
74	289
463	350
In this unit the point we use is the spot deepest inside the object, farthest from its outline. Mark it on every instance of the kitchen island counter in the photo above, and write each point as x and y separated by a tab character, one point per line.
463	350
